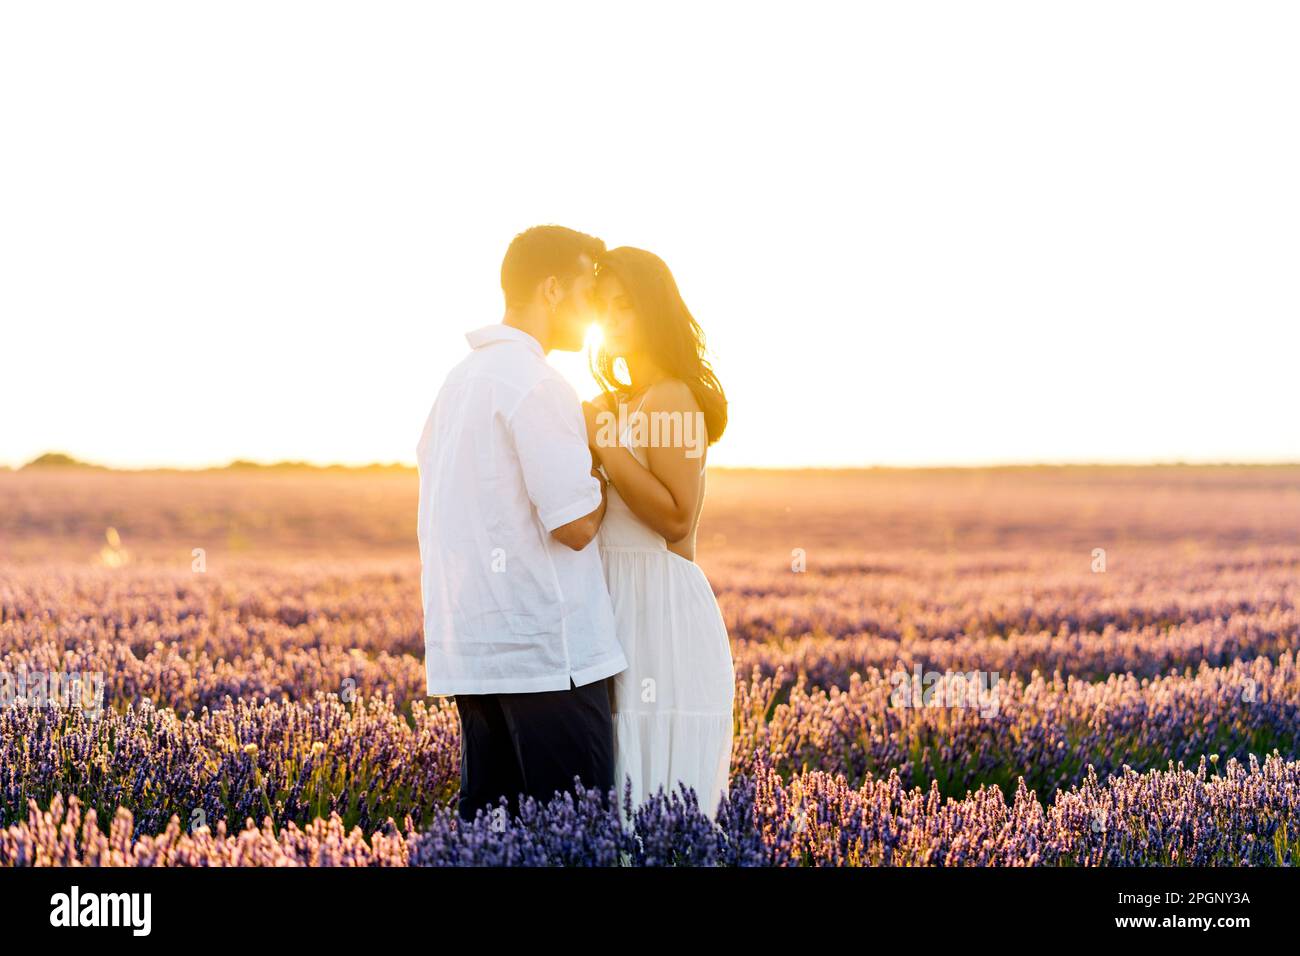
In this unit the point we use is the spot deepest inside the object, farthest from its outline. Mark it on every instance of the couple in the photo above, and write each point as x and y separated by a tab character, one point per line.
562	606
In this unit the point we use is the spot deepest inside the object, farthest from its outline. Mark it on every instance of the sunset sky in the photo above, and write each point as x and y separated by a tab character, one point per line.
914	233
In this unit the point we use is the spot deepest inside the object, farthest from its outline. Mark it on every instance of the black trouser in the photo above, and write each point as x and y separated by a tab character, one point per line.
533	744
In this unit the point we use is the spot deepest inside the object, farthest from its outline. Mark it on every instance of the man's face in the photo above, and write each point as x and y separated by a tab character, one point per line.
573	313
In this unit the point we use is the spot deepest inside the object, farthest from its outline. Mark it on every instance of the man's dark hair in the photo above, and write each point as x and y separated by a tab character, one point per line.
544	251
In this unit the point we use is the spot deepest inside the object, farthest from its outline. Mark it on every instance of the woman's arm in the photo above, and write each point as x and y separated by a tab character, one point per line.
666	494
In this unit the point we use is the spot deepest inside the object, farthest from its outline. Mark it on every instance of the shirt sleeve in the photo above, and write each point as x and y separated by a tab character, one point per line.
550	438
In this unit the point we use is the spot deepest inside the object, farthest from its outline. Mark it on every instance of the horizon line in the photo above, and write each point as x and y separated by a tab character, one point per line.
59	460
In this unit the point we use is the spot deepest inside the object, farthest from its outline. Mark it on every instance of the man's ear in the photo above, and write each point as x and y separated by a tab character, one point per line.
551	292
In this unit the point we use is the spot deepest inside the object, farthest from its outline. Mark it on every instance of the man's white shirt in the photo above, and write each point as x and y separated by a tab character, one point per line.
503	462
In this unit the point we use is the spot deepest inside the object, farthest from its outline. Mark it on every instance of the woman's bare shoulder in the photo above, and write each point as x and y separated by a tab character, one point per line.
670	395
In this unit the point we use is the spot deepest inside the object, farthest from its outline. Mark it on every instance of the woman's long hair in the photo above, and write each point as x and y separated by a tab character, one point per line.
667	331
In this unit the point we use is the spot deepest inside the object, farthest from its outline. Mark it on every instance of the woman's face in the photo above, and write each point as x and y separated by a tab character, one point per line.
617	317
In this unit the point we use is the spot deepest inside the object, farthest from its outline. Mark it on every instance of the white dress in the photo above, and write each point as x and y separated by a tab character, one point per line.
672	707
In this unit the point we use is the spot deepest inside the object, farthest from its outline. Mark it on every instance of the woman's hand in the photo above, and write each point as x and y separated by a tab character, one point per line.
591	413
666	494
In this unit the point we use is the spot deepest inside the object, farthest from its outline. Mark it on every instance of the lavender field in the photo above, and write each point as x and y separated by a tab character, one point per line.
253	641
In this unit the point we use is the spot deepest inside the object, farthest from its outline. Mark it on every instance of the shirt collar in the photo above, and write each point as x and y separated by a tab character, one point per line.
500	332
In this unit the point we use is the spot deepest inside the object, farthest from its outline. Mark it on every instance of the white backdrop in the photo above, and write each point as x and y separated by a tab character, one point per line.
915	233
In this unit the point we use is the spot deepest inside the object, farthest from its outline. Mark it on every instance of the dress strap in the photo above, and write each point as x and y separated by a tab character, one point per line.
622	436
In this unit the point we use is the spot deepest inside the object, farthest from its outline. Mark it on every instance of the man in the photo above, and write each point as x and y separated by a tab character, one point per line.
517	620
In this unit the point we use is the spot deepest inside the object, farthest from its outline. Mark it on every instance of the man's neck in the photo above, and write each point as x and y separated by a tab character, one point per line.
533	320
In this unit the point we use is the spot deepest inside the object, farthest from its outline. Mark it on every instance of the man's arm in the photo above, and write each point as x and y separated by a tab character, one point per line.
550	441
578	534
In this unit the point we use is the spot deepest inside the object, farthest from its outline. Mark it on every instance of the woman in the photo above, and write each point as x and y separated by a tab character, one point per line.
650	430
